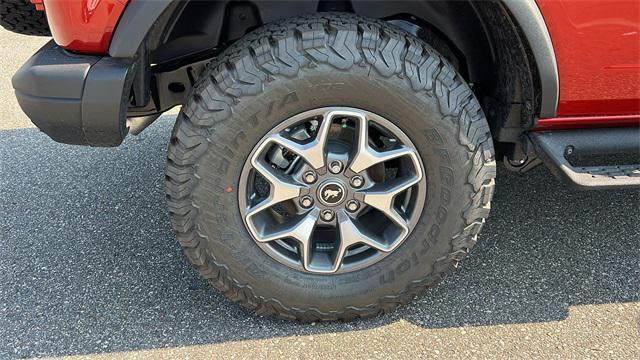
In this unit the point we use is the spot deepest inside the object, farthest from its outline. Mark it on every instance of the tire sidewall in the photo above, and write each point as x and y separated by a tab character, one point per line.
446	163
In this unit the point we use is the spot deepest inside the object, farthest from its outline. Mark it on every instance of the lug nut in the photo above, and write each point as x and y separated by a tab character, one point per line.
335	167
306	201
327	215
357	181
309	177
353	205
569	150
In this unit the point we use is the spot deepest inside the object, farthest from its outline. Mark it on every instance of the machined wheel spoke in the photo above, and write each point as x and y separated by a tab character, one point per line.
282	188
313	152
366	157
351	235
382	197
300	230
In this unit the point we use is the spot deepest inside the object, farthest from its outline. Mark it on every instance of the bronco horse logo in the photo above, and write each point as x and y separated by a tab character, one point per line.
329	194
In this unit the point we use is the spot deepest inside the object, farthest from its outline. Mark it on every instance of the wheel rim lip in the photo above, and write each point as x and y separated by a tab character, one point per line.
417	211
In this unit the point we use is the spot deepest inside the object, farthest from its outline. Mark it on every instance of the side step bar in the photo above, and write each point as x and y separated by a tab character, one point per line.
553	147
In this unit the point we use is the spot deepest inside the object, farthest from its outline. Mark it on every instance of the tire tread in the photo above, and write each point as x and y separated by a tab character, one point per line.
21	16
282	49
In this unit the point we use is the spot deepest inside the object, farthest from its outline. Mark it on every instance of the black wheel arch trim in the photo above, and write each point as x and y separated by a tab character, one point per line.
134	25
140	16
531	21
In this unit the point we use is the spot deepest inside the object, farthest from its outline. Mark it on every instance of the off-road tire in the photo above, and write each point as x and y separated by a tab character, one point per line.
289	67
21	16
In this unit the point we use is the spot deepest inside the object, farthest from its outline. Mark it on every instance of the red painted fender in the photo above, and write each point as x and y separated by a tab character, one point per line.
597	46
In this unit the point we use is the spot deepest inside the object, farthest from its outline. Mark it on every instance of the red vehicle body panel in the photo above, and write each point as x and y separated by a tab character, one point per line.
84	25
597	46
578	122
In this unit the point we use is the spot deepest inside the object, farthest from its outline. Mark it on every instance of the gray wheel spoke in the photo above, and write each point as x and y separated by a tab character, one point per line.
282	188
366	157
351	235
299	230
313	152
382	198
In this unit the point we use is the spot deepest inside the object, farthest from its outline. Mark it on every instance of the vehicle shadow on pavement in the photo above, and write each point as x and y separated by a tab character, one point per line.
88	262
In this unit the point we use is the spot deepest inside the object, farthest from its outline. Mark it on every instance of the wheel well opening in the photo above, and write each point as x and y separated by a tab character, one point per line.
481	39
434	37
335	6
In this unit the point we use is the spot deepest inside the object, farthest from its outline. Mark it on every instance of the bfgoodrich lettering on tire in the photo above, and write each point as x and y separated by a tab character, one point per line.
329	167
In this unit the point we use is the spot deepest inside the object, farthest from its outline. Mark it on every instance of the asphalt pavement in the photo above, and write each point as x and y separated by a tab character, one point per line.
89	267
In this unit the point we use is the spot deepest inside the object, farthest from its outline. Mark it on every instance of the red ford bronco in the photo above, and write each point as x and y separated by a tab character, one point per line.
334	159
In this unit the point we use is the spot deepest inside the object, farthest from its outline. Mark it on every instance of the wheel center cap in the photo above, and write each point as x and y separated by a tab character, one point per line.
331	193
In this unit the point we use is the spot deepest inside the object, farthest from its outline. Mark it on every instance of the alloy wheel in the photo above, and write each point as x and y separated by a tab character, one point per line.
332	190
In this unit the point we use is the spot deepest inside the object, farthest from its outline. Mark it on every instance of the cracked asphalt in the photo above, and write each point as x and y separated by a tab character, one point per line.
89	267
